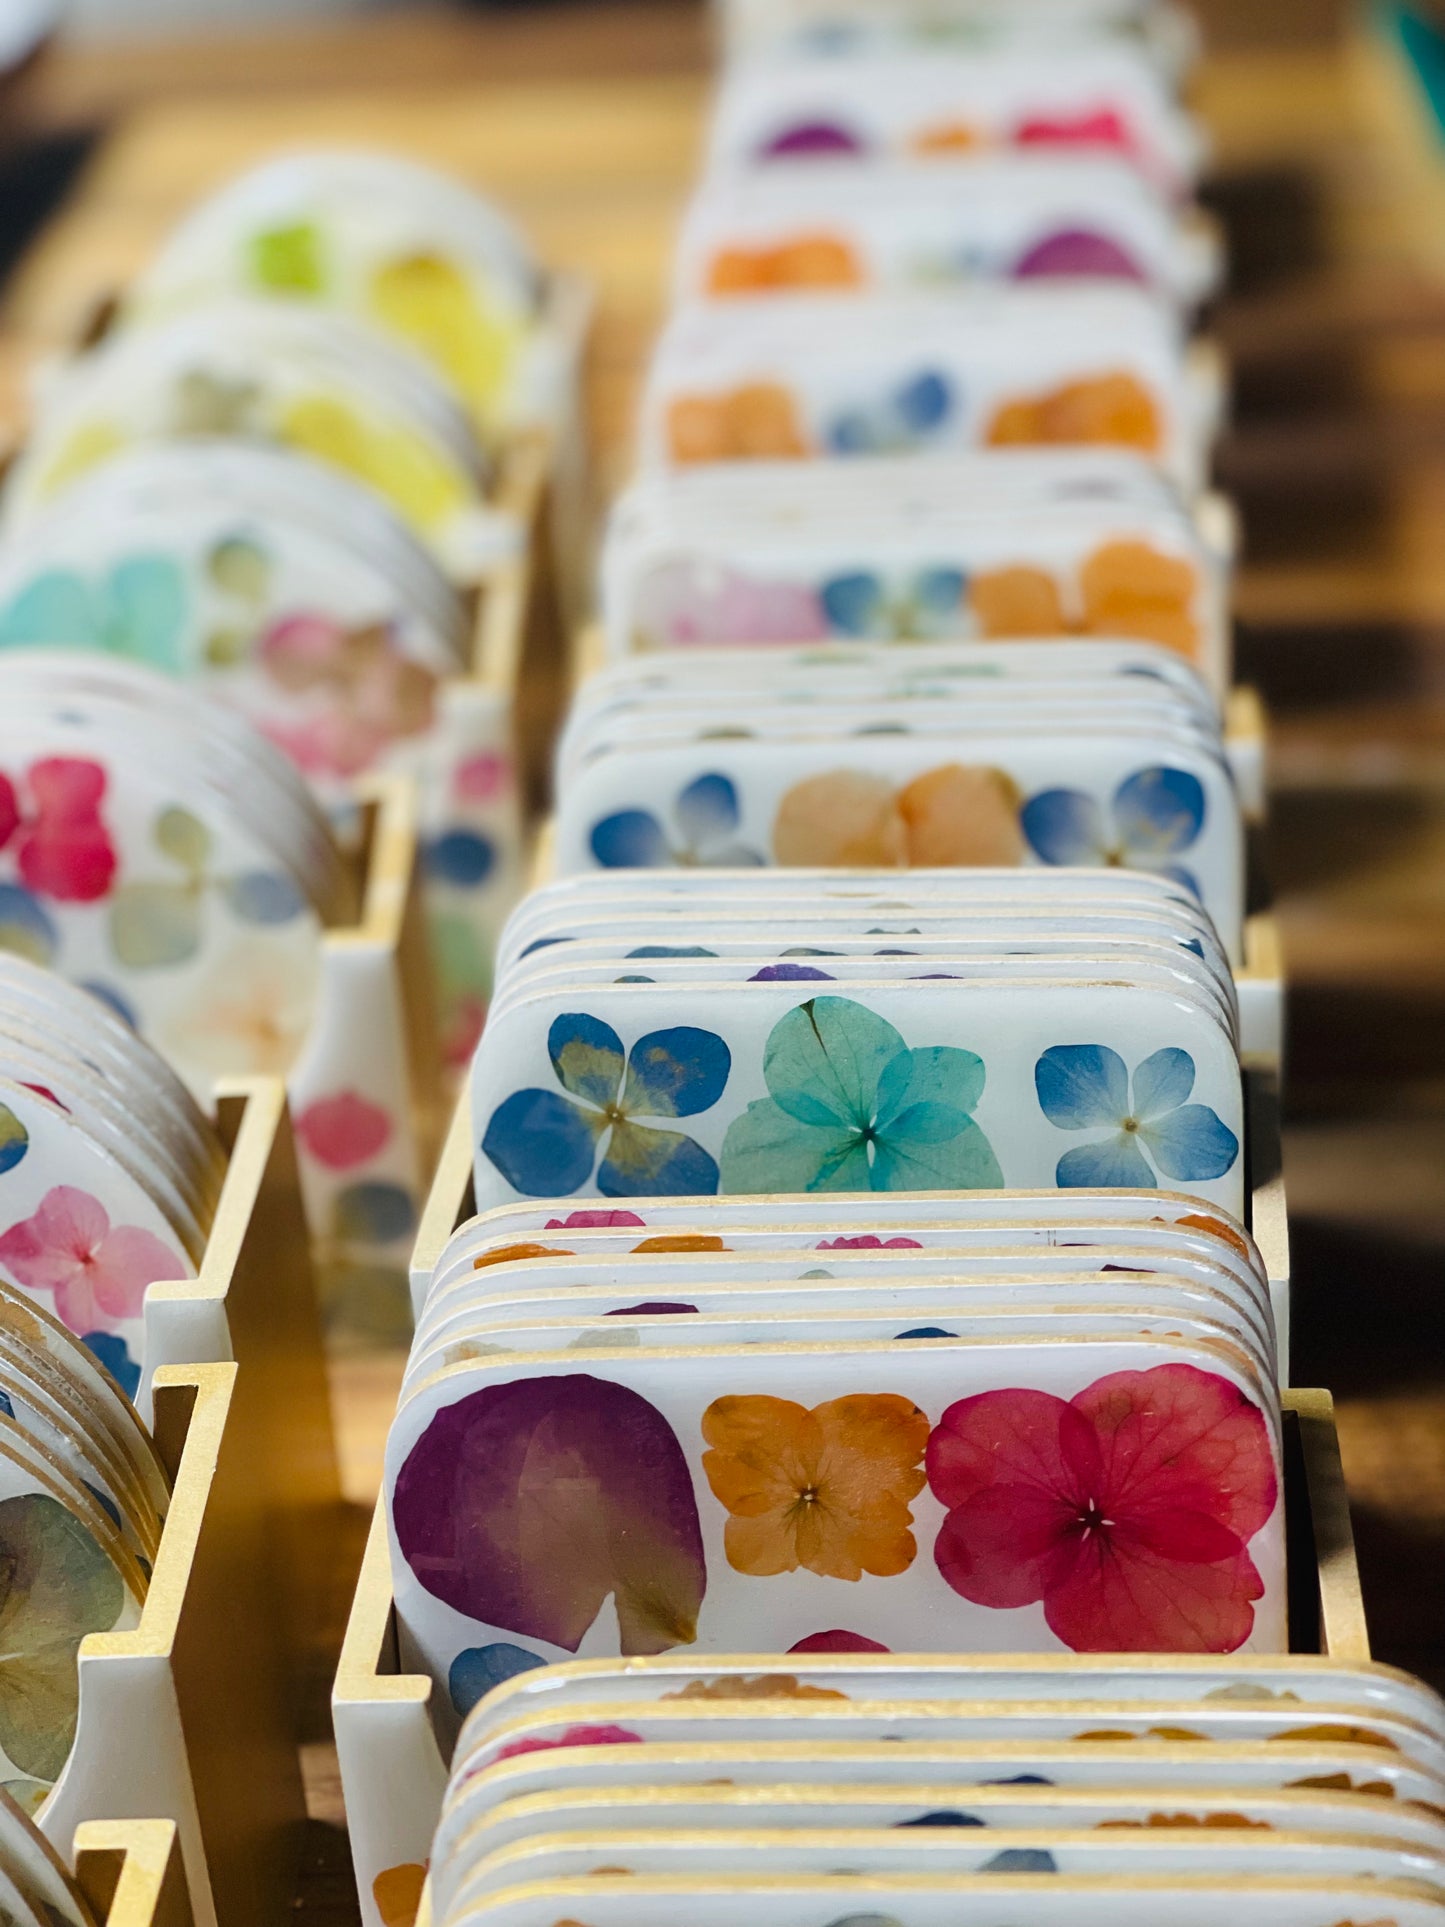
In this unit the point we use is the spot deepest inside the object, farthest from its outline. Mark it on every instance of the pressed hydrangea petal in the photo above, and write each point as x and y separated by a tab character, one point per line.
127	1260
824	1061
915	1081
676	1073
1159	812
1191	1144
813	137
587	1056
643	1163
147	616
1115	1164
1180	1439
26	929
768	1150
937	602
854	604
731	856
1122	1596
630	840
1082	1085
526	1505
476	1671
542	1145
706	809
56	607
1078	253
853	433
924	403
1064	827
840	819
1162	1083
949	1159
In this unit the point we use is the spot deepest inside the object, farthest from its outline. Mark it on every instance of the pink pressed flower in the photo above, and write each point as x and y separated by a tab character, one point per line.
838	1642
595	1221
574	1736
98	1274
463	1029
1127	1510
683	603
869	1241
482	777
65	851
343	1131
329	744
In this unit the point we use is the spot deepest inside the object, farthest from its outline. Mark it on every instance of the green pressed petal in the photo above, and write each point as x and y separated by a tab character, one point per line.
154	924
824	1060
962	1162
184	838
58	1585
941	1078
767	1150
290	259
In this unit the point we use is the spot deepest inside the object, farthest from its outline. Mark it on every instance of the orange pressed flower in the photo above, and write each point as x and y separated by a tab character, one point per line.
512	1254
957	816
755	1686
682	1241
948	137
828	1490
748	424
1216	1228
843	819
397	1893
812	261
1132	590
948	817
1017	602
1113	409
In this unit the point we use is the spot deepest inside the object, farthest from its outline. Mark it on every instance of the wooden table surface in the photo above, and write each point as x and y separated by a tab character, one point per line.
584	122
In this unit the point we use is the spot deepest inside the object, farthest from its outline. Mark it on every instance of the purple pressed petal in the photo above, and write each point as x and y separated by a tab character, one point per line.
1078	252
525	1506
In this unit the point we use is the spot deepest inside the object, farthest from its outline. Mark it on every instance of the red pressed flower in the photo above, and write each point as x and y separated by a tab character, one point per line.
1127	1510
1106	128
837	1642
65	851
574	1736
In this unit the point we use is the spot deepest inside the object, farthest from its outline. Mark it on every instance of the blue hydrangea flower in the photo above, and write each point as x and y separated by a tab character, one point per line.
903	421
1155	816
1086	1087
921	608
545	1144
704	818
852	1108
463	858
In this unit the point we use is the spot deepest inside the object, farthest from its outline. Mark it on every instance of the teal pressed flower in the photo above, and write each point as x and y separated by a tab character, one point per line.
852	1108
137	610
1149	1121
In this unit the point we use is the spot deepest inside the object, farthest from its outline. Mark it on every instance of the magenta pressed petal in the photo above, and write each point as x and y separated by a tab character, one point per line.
1078	252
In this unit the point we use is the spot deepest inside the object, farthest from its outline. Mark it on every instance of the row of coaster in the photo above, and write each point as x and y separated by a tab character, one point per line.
83	1493
271	477
851	1786
1024	1056
159	853
111	1174
740	1424
1052	753
1080	542
1166	32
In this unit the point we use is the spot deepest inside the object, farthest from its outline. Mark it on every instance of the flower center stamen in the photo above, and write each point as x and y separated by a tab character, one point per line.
1130	1124
1091	1518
